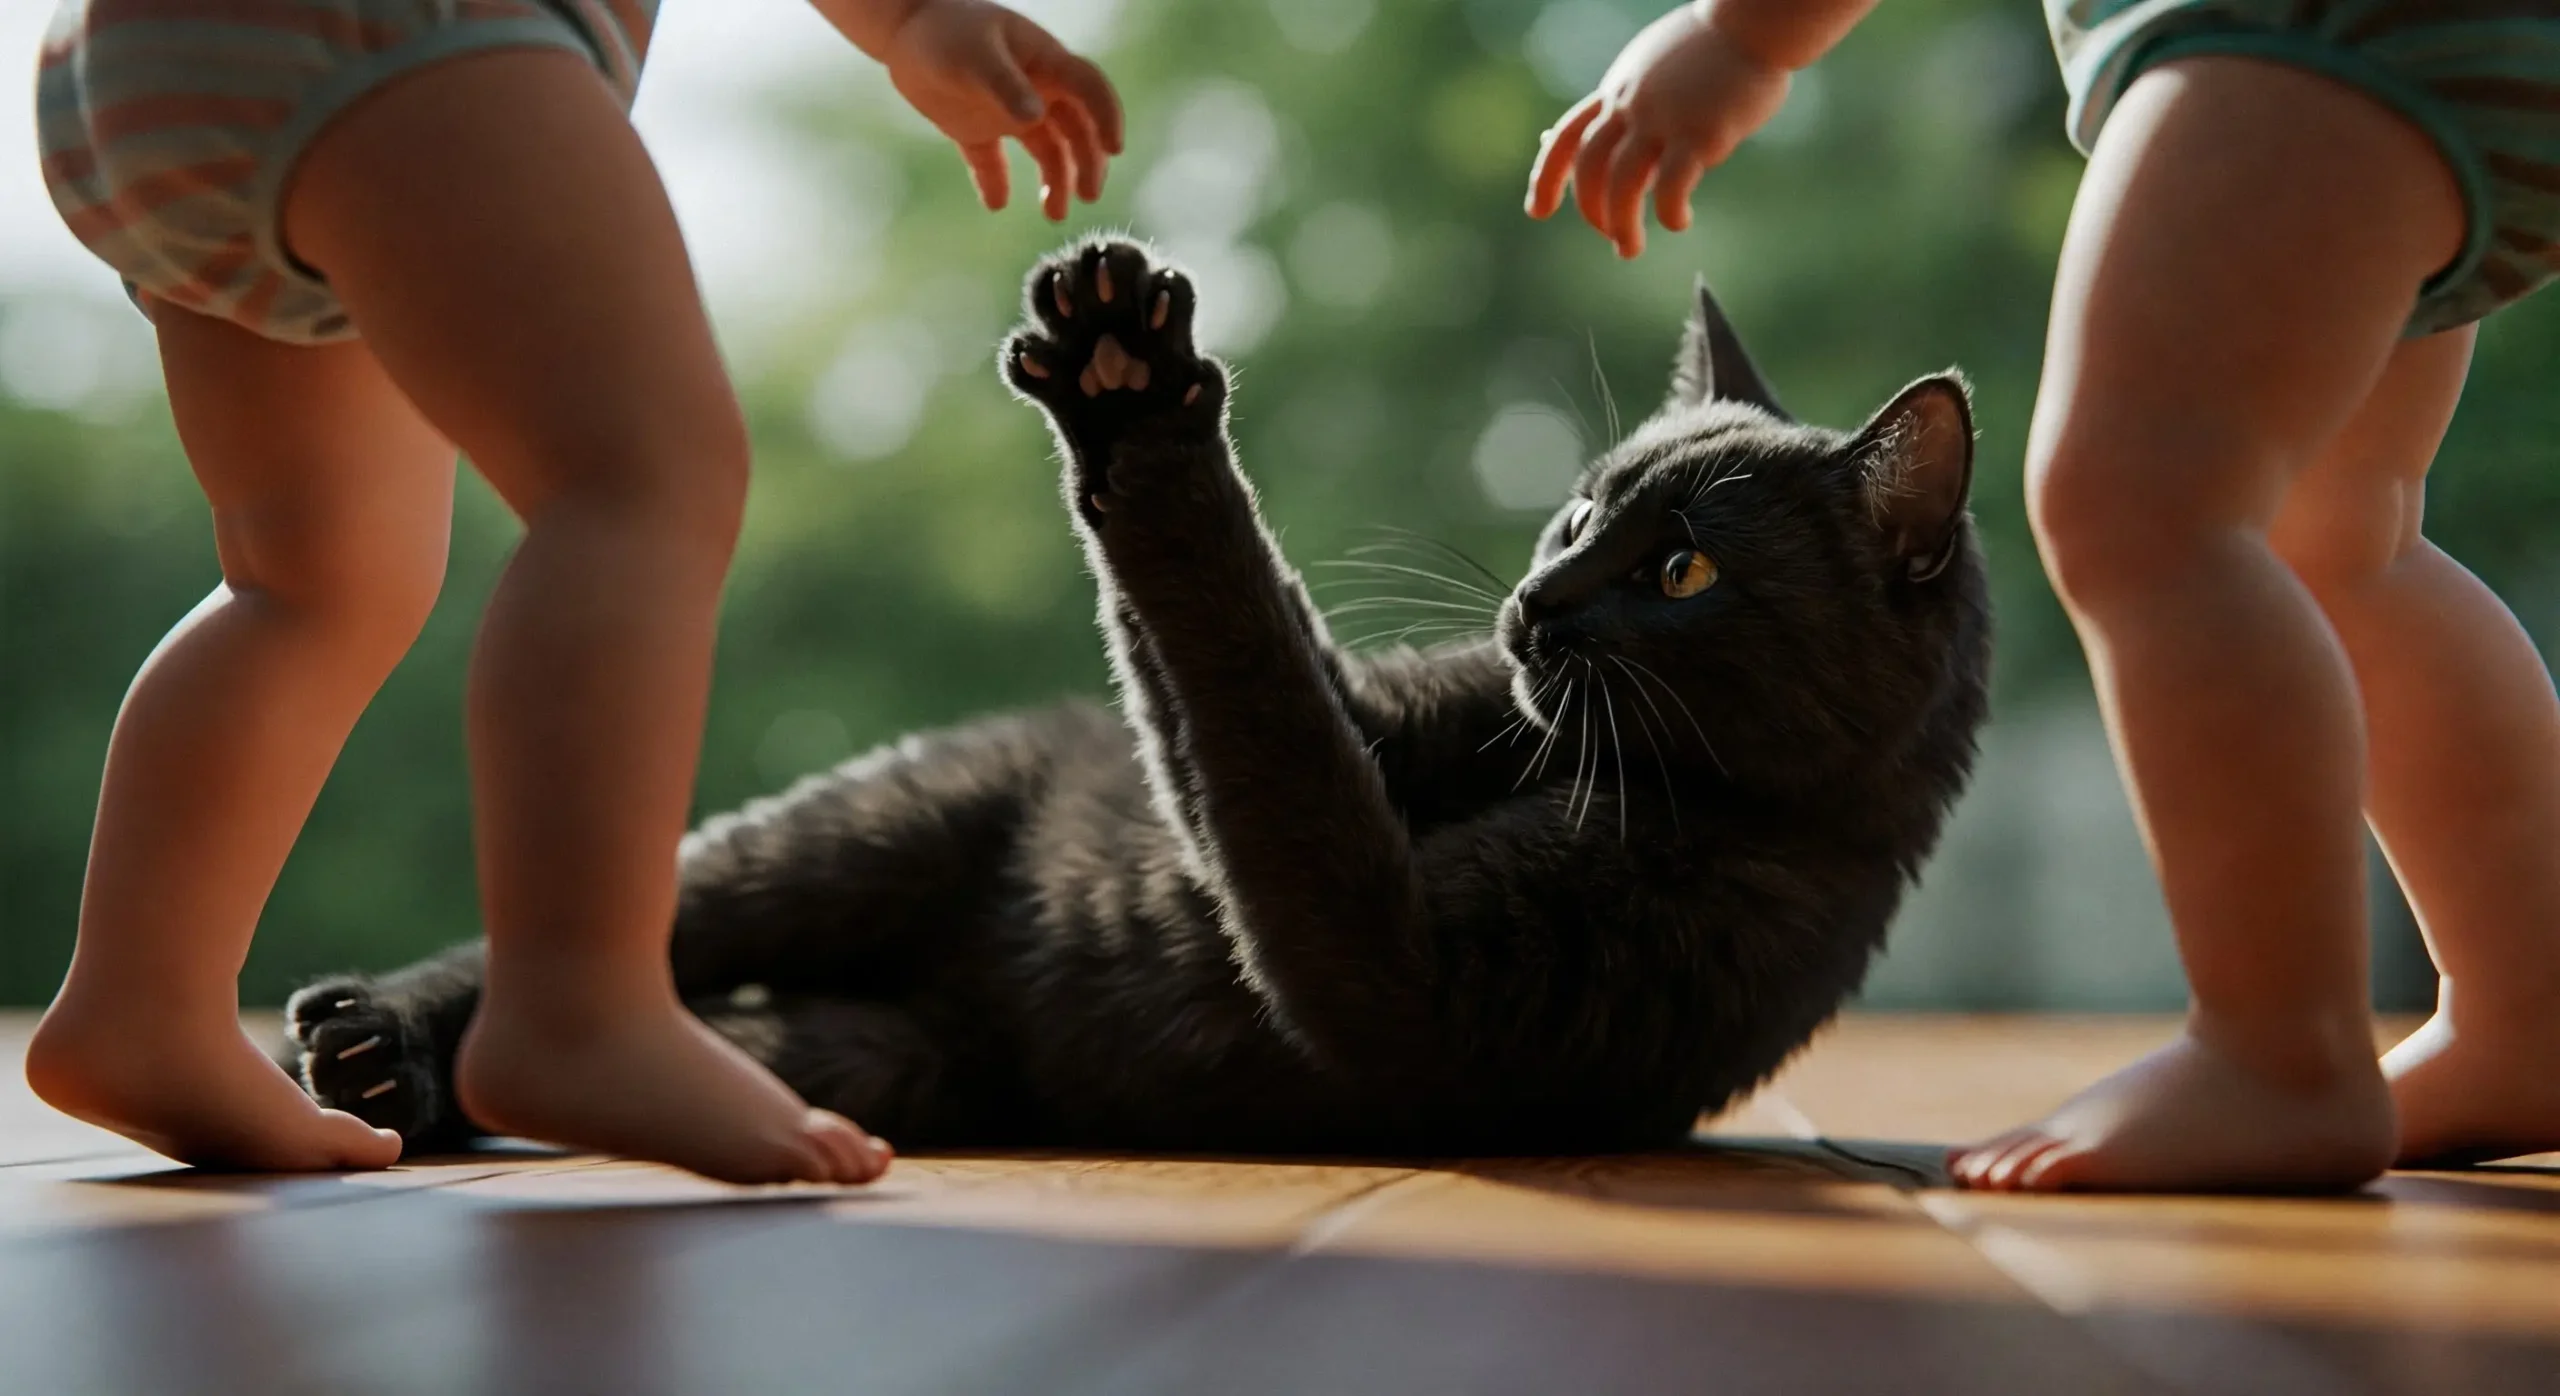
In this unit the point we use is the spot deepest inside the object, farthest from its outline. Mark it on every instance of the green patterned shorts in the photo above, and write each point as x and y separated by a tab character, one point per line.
2480	77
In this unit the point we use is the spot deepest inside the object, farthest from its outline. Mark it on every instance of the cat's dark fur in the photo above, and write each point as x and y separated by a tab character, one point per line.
1561	888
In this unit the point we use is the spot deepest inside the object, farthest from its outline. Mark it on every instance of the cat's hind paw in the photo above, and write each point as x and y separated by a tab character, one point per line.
355	1053
1109	351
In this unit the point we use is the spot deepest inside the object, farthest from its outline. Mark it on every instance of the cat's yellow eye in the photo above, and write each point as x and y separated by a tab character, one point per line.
1574	521
1686	573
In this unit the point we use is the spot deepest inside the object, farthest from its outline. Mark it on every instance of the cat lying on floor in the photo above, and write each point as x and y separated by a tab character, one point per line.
1559	888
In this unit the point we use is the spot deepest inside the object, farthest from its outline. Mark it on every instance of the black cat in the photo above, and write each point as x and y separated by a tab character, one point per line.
1295	899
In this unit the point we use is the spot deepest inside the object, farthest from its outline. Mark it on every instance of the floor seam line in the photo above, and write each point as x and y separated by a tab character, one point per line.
1308	1238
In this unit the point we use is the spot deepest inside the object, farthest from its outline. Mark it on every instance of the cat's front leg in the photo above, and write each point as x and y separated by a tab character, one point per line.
1310	861
1112	362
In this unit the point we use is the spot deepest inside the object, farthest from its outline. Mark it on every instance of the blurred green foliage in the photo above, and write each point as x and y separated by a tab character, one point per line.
1901	215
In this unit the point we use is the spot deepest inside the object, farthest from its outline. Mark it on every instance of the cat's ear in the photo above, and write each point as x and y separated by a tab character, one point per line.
1712	366
1917	456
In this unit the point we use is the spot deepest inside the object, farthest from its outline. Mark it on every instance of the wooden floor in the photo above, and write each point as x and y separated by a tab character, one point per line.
1803	1246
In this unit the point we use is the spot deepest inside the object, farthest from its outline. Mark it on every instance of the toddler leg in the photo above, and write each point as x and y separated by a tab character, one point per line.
331	501
2248	242
2465	767
502	241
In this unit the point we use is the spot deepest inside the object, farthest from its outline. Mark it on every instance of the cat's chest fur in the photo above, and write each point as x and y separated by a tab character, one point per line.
1605	939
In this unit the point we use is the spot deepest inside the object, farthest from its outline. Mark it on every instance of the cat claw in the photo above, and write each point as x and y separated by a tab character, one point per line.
382	1088
362	1047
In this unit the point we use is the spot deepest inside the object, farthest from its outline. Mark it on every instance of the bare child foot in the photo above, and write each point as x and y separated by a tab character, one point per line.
2479	1092
193	1088
652	1084
2192	1118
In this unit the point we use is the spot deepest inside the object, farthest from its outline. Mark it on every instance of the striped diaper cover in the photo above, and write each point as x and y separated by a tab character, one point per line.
168	128
2480	77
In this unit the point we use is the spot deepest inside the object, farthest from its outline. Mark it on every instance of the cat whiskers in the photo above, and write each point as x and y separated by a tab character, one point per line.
1617	749
1430	631
1600	382
1670	791
1537	767
1520	720
1467	606
1422	542
1453	617
1643	671
1730	475
1581	750
1428	603
1361	559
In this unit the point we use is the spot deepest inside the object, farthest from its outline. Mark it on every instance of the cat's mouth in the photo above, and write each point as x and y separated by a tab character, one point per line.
1538	664
1526	701
1545	688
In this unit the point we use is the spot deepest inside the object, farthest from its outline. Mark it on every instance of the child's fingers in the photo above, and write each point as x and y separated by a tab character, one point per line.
1555	157
1008	83
1057	169
1080	80
986	166
1075	125
1591	170
1629	173
1679	177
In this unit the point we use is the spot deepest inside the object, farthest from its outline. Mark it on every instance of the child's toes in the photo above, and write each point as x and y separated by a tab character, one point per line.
354	1144
2010	1173
1967	1163
841	1147
2057	1169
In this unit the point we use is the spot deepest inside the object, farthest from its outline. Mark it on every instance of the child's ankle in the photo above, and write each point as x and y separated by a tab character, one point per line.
2307	1049
2500	1005
572	1004
156	1008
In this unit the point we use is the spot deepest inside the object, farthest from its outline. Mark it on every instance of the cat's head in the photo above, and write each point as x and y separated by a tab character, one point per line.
1742	592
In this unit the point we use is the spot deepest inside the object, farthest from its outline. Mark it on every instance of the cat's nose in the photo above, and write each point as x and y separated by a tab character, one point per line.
1540	603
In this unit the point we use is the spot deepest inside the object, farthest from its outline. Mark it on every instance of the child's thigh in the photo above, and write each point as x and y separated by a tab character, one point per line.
2246	249
327	487
503	243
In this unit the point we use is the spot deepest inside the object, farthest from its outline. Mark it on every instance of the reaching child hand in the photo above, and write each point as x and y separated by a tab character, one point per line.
1679	98
979	72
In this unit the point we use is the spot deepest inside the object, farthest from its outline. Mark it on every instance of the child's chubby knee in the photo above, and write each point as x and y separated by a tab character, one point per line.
334	576
2108	507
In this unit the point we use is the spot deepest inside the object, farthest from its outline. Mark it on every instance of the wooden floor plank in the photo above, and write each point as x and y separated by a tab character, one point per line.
2422	1283
623	1278
1731	1268
1797	1248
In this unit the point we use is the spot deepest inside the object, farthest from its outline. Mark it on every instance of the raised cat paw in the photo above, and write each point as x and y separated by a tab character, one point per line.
1109	353
355	1053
